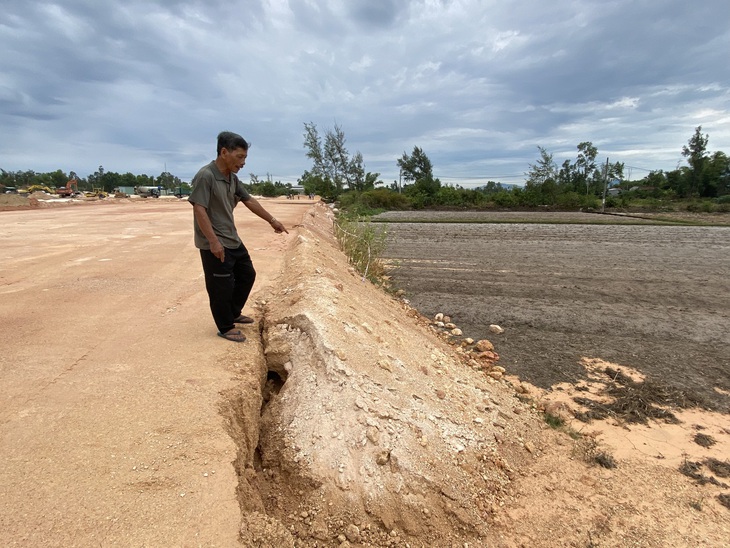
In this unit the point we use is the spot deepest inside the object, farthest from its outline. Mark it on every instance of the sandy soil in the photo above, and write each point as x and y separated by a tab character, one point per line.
113	381
345	420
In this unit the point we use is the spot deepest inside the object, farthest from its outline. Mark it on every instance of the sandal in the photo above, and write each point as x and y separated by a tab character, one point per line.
243	319
234	335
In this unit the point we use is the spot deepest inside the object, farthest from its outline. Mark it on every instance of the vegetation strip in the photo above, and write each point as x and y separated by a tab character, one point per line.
524	220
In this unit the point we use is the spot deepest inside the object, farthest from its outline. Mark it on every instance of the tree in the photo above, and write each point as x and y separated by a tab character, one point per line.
566	175
717	175
96	178
356	170
337	157
168	181
541	171
316	184
128	179
313	145
372	179
696	153
331	162
418	169
615	171
57	178
586	161
416	166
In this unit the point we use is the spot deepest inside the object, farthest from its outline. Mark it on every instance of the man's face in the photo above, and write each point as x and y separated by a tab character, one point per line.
234	159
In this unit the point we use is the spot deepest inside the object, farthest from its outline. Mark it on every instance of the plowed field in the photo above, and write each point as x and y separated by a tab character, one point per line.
655	298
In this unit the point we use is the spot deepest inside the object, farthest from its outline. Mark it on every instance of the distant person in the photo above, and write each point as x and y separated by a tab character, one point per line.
229	271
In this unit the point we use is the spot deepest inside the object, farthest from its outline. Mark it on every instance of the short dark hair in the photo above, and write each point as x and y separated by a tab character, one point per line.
231	141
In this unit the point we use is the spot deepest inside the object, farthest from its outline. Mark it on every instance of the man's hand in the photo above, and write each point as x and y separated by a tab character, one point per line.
201	215
217	249
278	227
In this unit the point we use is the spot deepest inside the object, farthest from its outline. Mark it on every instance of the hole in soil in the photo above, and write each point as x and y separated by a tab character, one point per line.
257	460
272	387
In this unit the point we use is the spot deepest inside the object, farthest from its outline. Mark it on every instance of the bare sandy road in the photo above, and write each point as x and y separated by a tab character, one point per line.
111	376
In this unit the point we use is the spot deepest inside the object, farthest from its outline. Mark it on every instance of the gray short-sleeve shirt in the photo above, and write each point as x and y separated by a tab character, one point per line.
219	196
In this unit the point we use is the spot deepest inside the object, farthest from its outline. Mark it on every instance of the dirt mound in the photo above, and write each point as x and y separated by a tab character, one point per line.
374	430
13	201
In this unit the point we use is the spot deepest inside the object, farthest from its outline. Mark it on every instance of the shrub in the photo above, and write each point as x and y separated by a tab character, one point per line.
383	198
570	200
504	199
703	206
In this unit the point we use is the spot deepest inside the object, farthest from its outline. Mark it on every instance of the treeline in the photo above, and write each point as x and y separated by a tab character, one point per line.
108	181
707	175
704	184
100	179
267	187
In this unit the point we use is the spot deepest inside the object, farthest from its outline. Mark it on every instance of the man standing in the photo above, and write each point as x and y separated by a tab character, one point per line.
229	272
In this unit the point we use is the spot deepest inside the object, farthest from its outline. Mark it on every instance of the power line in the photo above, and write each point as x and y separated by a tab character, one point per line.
640	168
477	177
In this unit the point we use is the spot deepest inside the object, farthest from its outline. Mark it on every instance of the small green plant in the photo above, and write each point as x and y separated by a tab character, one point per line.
559	423
554	421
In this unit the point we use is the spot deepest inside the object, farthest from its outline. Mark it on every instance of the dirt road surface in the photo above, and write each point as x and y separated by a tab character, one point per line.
113	379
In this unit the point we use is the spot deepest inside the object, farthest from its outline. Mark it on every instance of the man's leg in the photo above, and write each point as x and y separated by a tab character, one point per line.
219	283
244	277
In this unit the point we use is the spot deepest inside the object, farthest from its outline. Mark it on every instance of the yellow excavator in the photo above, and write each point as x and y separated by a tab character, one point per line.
35	188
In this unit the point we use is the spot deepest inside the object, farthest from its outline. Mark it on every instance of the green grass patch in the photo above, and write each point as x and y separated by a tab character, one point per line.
363	244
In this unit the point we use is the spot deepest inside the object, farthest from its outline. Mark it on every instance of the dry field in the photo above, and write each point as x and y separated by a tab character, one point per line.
655	298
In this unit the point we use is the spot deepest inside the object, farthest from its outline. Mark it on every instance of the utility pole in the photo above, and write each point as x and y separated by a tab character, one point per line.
605	187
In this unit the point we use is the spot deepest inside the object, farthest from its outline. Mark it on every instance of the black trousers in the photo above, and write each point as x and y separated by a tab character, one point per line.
228	284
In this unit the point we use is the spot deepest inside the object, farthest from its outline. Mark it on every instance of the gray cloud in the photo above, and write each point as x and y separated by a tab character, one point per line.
477	84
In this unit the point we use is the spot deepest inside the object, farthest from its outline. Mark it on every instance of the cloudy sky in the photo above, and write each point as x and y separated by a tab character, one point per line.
143	85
